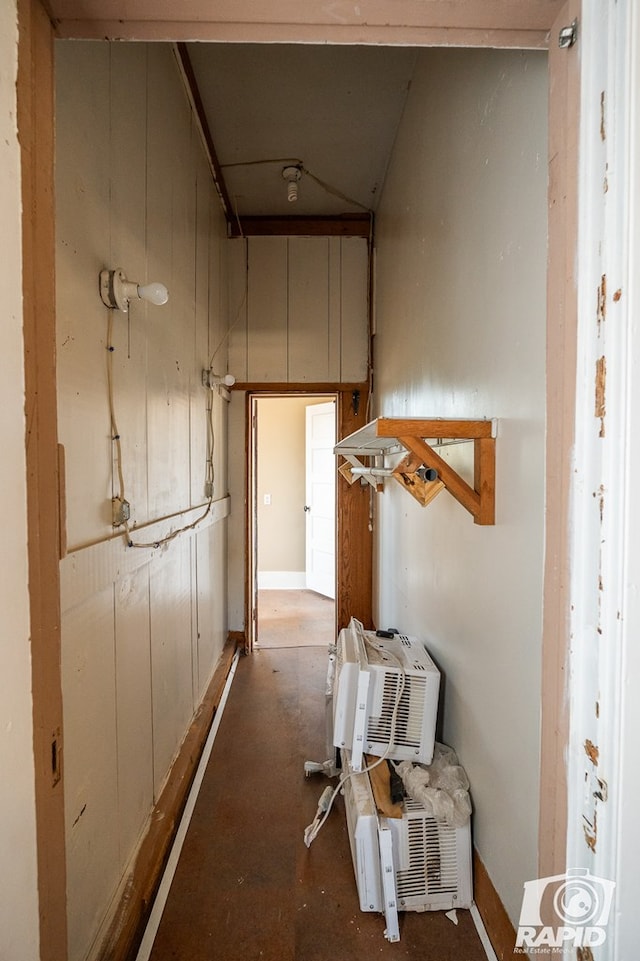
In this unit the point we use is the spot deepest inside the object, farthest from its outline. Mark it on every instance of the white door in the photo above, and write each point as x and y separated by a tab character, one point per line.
320	498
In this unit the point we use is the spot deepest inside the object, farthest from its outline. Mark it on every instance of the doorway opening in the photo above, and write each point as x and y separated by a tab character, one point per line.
292	520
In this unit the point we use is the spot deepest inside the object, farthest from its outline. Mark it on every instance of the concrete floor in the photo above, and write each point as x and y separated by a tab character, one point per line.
246	887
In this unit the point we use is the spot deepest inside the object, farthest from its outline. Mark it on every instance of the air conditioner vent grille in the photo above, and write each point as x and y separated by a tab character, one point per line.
433	860
408	726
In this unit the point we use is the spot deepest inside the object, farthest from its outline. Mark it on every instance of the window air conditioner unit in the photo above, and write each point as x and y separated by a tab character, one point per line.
385	698
427	862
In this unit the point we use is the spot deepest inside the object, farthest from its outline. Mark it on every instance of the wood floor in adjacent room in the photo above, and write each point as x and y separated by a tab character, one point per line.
295	618
246	888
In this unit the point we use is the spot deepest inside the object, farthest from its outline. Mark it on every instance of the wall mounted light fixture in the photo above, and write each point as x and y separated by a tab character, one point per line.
292	175
209	379
220	382
116	291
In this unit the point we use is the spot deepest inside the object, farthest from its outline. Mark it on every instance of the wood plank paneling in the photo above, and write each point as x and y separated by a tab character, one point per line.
170	614
308	309
170	251
199	397
354	309
209	604
127	228
91	767
267	310
135	192
237	263
90	570
335	308
82	198
133	707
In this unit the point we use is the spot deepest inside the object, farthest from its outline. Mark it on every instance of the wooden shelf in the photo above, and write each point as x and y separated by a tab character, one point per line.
365	452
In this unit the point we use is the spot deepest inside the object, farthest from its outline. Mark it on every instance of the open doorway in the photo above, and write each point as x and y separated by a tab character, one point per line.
293	520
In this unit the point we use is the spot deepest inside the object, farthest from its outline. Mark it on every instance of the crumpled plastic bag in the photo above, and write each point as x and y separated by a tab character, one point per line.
442	787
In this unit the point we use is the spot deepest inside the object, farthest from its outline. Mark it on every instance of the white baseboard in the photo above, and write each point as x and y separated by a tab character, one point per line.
282	580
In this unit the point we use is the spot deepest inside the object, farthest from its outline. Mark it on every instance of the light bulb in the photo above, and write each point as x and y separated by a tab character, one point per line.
154	292
228	380
292	176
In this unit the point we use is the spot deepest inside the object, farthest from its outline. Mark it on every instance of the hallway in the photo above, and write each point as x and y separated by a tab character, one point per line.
246	887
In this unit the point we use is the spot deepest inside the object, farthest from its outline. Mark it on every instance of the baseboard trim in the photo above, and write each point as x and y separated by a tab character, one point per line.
127	925
282	580
499	928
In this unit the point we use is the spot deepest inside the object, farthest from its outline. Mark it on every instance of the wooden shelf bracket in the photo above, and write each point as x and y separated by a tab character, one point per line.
367	450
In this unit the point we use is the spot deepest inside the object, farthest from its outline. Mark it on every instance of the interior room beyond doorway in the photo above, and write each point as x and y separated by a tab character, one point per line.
294	520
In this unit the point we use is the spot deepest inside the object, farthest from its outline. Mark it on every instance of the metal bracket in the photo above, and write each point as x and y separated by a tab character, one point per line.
568	35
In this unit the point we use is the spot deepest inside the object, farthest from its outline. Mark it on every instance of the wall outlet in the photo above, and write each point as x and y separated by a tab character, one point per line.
267	499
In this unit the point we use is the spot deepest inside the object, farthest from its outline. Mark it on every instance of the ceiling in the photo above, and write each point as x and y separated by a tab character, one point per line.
332	110
312	83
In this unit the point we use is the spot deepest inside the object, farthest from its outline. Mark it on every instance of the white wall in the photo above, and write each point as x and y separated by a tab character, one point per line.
299	310
19	922
460	319
142	629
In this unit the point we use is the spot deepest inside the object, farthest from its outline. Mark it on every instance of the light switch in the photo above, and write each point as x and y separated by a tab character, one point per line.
267	499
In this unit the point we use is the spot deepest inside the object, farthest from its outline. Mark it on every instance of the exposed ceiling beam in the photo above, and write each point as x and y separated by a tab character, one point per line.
483	23
345	225
184	60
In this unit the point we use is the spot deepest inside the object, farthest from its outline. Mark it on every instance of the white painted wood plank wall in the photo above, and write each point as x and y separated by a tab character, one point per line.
300	309
142	630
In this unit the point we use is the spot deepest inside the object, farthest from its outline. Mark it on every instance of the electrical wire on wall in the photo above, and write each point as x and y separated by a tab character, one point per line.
237	317
120	498
327	187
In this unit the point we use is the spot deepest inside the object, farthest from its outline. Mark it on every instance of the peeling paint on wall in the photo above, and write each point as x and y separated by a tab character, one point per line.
602	301
592	752
603	790
601	377
600	495
603	134
591	831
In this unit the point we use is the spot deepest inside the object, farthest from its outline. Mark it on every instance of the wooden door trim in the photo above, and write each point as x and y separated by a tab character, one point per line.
35	99
561	413
354	539
35	112
468	23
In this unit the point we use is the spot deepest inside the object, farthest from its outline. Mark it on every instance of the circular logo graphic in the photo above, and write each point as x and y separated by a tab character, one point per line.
577	902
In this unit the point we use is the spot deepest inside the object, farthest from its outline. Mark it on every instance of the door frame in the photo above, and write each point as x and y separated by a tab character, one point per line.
354	540
36	119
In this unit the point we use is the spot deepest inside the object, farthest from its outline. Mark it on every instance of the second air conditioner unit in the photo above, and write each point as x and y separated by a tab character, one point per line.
412	863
